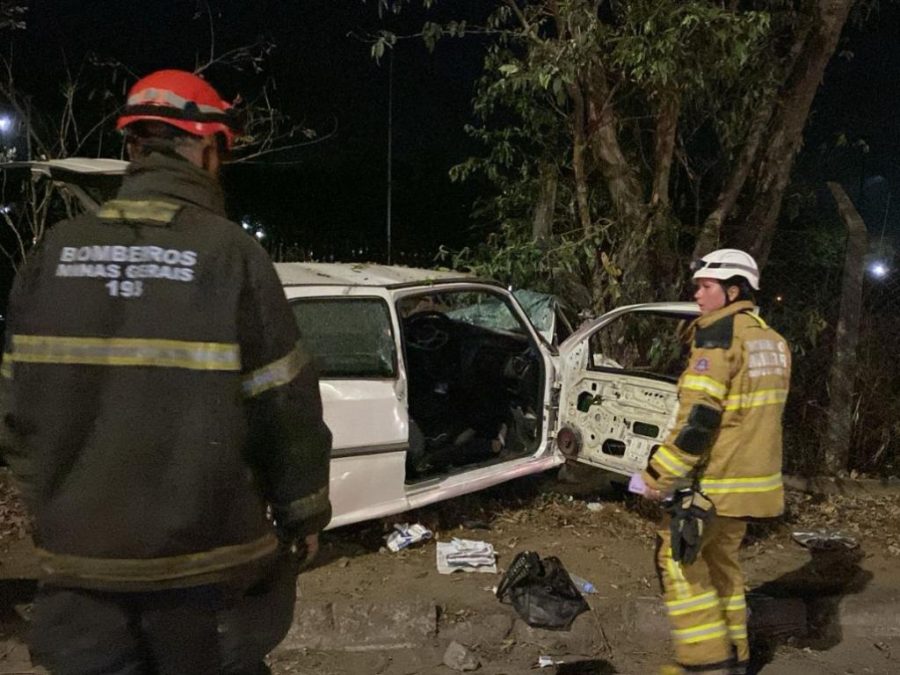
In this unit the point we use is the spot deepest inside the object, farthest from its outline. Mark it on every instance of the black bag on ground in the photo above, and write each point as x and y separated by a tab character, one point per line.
541	591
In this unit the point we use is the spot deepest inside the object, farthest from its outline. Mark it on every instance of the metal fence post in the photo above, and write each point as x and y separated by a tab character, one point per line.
842	377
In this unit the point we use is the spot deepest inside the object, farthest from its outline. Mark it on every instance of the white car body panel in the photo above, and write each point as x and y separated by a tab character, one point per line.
364	414
473	480
363	487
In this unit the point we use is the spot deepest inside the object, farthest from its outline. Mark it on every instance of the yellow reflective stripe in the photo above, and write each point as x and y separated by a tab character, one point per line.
135	571
156	96
692	604
734	603
308	506
701	633
126	352
737	632
718	486
275	374
145	209
704	384
6	367
756	399
673	464
679	583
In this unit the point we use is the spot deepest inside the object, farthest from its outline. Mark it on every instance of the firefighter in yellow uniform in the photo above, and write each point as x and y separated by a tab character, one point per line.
725	447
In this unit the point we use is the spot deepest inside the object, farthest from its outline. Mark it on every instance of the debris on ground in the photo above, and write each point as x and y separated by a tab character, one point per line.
460	658
405	535
541	591
873	520
824	540
468	555
548	662
14	522
582	584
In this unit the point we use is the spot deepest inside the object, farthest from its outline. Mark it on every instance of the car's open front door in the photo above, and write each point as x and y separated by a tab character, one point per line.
617	385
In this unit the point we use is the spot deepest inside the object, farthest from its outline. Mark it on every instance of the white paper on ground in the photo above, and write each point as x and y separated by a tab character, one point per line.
467	555
405	534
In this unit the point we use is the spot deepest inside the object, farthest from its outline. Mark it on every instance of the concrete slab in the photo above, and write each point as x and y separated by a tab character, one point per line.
363	626
871	614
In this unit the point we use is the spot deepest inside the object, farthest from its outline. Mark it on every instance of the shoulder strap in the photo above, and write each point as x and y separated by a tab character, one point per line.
717	335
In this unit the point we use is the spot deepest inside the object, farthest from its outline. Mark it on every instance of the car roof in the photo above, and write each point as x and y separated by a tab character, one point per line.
80	165
365	274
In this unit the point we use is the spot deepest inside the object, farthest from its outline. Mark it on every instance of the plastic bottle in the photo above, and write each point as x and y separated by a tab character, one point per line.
583	585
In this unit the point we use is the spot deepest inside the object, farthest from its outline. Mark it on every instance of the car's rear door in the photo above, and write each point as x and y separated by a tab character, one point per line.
352	336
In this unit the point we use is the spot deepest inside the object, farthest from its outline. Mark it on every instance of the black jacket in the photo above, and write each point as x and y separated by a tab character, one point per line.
157	397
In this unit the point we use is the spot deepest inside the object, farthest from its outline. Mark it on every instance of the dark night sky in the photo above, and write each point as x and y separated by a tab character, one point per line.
336	189
861	98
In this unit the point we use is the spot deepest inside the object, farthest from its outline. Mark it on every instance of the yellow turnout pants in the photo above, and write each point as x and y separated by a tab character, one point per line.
705	600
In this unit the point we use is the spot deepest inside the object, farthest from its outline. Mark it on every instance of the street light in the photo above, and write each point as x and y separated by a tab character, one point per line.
6	124
878	269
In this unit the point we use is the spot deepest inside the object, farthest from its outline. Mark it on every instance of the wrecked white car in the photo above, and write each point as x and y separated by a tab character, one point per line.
436	384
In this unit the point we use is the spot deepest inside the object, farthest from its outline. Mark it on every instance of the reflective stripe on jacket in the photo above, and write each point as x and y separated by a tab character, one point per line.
728	427
156	396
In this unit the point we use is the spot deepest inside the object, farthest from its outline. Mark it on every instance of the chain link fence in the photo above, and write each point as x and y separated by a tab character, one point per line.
802	299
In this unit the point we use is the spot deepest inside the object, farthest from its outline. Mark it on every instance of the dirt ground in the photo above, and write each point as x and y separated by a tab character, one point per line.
607	539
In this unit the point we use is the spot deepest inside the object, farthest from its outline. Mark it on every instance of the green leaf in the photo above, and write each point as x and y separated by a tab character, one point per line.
378	49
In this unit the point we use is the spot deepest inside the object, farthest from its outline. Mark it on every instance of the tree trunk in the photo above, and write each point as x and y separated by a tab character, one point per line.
786	136
623	183
542	224
664	149
579	145
842	377
622	180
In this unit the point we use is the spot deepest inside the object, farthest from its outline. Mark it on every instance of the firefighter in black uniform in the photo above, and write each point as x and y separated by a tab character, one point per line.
157	402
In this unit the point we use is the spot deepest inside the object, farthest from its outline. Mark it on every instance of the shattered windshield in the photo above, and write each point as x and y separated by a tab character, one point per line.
477	308
541	310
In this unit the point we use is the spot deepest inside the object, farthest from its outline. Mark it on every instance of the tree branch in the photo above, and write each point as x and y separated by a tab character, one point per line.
786	129
710	234
269	150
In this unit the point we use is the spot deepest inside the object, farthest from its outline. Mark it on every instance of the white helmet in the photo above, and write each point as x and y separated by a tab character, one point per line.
726	263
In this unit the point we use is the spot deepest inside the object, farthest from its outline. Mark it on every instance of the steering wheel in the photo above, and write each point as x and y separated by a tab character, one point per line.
429	330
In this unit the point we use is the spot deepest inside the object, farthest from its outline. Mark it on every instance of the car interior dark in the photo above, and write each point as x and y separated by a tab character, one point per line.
475	382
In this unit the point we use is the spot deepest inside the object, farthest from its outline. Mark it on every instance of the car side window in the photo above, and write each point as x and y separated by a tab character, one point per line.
644	342
348	337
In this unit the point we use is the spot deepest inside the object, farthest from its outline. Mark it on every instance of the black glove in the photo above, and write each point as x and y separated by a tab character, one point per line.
301	548
691	512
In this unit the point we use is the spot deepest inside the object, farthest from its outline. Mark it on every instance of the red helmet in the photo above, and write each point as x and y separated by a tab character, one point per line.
181	99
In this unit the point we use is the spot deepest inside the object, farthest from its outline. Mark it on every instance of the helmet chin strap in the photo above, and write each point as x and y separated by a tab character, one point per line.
728	299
